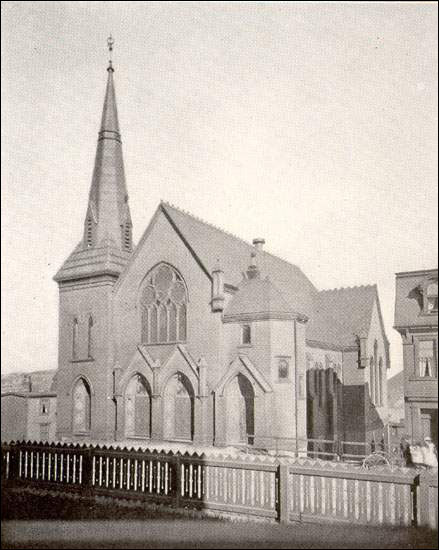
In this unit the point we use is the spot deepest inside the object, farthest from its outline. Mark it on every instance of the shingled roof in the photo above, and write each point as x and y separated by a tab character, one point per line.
341	314
335	316
42	381
257	297
211	244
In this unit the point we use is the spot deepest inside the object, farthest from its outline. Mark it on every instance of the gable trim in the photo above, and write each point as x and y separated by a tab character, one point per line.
160	209
243	364
183	238
186	356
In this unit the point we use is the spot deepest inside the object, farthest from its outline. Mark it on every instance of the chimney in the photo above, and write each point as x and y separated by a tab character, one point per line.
218	297
259	243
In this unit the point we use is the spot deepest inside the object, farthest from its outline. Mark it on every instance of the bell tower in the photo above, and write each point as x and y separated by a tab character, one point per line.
86	280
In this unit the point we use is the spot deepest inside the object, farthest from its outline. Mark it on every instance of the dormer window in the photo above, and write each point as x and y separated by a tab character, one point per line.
431	298
246	334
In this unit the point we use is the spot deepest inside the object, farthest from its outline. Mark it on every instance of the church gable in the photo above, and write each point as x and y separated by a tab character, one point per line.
160	243
185	302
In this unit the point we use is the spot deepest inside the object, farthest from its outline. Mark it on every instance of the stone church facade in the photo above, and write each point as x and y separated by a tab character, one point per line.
195	335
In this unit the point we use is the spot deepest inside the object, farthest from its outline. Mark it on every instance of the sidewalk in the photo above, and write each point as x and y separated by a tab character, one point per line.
205	534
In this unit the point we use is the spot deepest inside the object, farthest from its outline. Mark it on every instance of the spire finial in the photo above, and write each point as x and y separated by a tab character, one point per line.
110	44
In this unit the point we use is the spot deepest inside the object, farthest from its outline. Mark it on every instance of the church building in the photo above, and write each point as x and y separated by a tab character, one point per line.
195	335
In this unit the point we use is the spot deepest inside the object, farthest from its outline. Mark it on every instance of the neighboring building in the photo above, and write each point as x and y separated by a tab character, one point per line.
416	319
28	406
348	358
395	399
196	335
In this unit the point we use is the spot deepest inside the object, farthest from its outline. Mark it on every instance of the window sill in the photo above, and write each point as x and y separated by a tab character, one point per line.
88	360
245	346
173	343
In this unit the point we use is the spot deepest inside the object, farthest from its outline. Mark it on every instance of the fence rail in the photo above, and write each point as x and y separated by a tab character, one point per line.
233	486
298	489
325	449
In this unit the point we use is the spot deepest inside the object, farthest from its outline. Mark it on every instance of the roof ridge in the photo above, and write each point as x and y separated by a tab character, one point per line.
20	372
229	233
187	213
343	288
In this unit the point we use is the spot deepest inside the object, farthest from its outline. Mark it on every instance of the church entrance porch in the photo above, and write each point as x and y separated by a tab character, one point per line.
138	408
178	417
240	418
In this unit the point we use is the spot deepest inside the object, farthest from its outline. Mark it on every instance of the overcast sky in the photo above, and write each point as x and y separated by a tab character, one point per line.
313	125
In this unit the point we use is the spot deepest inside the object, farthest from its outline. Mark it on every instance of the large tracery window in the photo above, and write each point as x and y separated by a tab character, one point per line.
163	303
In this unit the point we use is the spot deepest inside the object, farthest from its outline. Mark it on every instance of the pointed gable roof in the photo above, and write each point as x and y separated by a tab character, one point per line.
342	314
211	244
335	316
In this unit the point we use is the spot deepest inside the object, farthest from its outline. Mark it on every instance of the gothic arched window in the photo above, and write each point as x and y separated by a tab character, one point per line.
90	338
81	407
380	376
372	379
378	381
163	303
75	335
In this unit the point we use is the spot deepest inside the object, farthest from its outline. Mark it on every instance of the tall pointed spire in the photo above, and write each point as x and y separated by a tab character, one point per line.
107	238
108	215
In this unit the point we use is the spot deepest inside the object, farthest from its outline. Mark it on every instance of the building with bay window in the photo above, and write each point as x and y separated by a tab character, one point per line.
416	319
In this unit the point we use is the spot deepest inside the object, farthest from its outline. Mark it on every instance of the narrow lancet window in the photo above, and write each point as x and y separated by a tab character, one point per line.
90	338
75	338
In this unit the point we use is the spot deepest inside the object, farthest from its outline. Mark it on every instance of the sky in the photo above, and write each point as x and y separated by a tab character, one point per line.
313	125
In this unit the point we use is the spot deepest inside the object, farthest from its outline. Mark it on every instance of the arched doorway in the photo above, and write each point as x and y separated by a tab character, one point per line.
179	408
81	407
138	408
240	415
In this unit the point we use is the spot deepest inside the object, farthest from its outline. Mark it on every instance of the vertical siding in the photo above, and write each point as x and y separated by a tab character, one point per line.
255	487
362	498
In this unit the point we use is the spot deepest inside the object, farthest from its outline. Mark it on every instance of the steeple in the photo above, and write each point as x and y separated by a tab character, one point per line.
108	215
107	235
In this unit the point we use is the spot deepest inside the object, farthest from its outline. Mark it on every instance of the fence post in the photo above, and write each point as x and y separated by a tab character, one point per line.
14	455
284	513
423	508
177	481
87	472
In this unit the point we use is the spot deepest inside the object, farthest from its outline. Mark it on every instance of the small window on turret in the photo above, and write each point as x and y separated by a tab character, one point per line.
283	369
246	334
